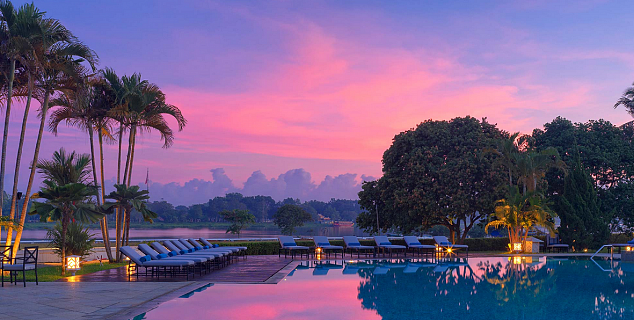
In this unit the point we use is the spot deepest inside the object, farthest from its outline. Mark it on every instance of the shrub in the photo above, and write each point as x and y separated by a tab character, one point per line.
79	241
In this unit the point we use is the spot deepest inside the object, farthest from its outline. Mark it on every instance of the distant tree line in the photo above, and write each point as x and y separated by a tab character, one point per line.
262	207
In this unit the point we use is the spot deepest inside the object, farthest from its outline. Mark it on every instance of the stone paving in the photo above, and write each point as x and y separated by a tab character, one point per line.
108	294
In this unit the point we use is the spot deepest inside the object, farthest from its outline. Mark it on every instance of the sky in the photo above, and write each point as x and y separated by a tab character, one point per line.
301	98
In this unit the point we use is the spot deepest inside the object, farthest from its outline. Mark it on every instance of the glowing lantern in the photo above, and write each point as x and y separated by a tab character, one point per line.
517	246
628	248
449	250
72	264
585	250
318	250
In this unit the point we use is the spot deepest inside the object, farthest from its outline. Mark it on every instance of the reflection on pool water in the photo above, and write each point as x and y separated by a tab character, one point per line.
477	288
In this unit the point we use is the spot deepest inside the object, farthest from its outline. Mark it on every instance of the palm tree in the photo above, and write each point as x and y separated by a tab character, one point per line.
532	166
627	100
64	203
67	192
140	107
520	213
61	67
130	197
45	31
18	29
86	108
507	149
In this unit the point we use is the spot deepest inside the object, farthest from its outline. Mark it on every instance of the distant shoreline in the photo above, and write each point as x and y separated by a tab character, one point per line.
263	226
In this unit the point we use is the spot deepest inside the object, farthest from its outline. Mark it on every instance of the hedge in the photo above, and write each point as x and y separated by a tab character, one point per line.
272	247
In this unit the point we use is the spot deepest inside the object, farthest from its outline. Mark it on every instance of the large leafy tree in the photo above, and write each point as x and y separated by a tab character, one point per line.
438	174
290	216
606	153
238	219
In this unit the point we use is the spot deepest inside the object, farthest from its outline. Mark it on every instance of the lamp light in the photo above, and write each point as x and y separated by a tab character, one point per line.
72	264
318	250
517	246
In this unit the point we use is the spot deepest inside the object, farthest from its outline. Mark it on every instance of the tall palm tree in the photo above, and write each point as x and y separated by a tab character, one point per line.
507	149
61	67
141	108
130	197
86	108
43	32
18	28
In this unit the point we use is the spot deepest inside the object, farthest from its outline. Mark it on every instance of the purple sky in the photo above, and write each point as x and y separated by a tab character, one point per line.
323	86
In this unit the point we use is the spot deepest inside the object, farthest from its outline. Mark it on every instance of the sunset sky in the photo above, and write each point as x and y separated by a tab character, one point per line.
324	86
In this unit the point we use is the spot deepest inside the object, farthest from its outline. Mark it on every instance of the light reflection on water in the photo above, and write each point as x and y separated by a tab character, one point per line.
480	288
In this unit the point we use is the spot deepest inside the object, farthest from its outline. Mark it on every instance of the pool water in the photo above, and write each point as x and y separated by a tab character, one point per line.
477	288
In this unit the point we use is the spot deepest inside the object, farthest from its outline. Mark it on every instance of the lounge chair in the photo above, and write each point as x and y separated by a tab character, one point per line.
200	262
175	266
183	249
449	247
242	251
553	243
207	243
176	246
215	259
415	246
192	249
323	243
382	242
353	244
288	245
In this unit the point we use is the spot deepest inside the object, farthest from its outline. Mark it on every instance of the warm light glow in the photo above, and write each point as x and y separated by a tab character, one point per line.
517	260
439	249
449	250
72	264
318	250
517	246
585	250
628	248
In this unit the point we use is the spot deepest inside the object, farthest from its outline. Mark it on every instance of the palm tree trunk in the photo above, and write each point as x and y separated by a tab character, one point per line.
133	141
16	174
27	195
127	227
106	240
64	229
127	158
119	213
104	231
5	138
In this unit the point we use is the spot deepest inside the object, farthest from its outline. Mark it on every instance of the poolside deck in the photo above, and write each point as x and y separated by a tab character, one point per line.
254	269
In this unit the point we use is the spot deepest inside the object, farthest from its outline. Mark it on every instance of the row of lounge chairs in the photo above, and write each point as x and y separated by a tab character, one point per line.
180	257
383	245
382	267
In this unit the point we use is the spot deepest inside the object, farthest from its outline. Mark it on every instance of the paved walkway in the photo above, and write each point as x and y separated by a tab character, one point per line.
254	269
63	300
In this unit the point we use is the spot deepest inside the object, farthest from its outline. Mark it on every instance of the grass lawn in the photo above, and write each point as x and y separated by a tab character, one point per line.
48	273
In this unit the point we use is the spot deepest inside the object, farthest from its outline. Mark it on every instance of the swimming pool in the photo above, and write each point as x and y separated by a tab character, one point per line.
477	288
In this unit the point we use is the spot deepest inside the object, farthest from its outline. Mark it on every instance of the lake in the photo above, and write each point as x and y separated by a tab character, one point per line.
206	233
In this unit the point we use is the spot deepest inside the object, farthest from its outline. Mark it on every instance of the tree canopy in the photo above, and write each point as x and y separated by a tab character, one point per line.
290	216
437	174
